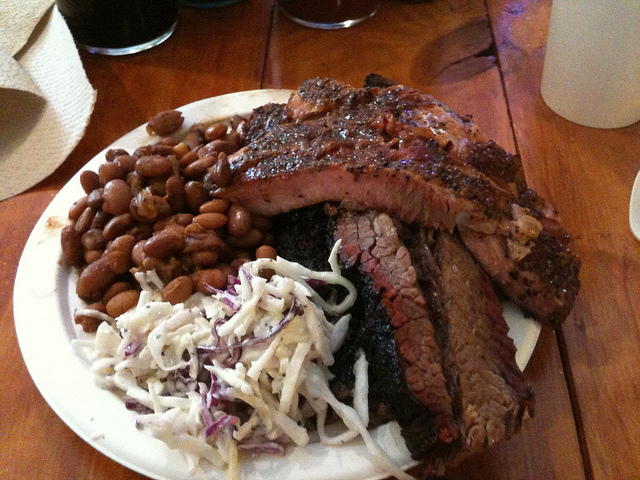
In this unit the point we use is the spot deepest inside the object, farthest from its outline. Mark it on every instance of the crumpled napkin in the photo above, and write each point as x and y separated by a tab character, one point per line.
46	99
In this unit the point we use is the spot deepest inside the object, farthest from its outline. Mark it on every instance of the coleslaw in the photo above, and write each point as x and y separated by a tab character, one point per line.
244	369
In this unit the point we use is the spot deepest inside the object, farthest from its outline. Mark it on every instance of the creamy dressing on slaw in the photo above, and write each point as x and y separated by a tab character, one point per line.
244	368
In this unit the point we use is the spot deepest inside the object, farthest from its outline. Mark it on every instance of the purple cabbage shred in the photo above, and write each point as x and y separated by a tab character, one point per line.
135	406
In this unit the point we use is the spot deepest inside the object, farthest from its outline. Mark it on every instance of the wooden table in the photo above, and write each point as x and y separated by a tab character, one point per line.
480	57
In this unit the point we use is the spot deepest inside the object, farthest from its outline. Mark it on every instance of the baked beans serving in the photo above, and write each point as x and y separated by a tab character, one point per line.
154	209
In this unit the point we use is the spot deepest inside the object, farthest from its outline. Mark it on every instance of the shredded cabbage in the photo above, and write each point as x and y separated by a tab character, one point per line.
236	370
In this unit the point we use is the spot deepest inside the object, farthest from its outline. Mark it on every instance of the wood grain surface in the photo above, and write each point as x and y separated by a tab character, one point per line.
482	58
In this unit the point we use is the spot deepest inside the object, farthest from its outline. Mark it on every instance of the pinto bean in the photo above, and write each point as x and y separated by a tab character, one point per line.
94	199
89	181
110	171
164	244
188	158
143	151
161	149
124	243
167	270
234	137
93	239
222	146
162	223
157	186
183	219
166	122
210	277
177	290
72	250
217	205
177	228
88	323
114	153
141	231
179	219
117	197
196	195
91	256
207	240
122	302
83	223
113	290
238	262
205	258
180	149
175	195
148	208
127	162
137	253
154	166
94	279
119	261
211	221
221	171
215	131
78	207
266	251
135	182
171	141
100	219
118	226
198	168
239	220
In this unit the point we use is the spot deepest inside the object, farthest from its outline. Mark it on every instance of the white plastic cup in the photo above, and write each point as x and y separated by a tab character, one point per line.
591	72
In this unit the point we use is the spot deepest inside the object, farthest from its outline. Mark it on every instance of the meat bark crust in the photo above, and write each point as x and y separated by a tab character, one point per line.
370	330
396	150
370	242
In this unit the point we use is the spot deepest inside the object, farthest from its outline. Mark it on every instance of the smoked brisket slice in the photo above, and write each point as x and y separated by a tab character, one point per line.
428	434
493	398
432	329
390	148
371	244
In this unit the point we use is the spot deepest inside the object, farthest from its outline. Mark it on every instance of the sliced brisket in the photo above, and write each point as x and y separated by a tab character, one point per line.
493	396
441	362
371	244
426	418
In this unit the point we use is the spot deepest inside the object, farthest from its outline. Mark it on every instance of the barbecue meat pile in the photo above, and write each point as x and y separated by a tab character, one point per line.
436	222
430	325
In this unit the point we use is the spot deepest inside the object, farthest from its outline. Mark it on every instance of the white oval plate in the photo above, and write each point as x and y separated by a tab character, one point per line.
44	301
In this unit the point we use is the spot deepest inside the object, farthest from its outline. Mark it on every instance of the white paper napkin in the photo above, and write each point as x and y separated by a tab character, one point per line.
46	99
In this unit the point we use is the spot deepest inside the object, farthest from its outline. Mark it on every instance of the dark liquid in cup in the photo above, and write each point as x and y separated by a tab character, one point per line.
118	23
329	11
